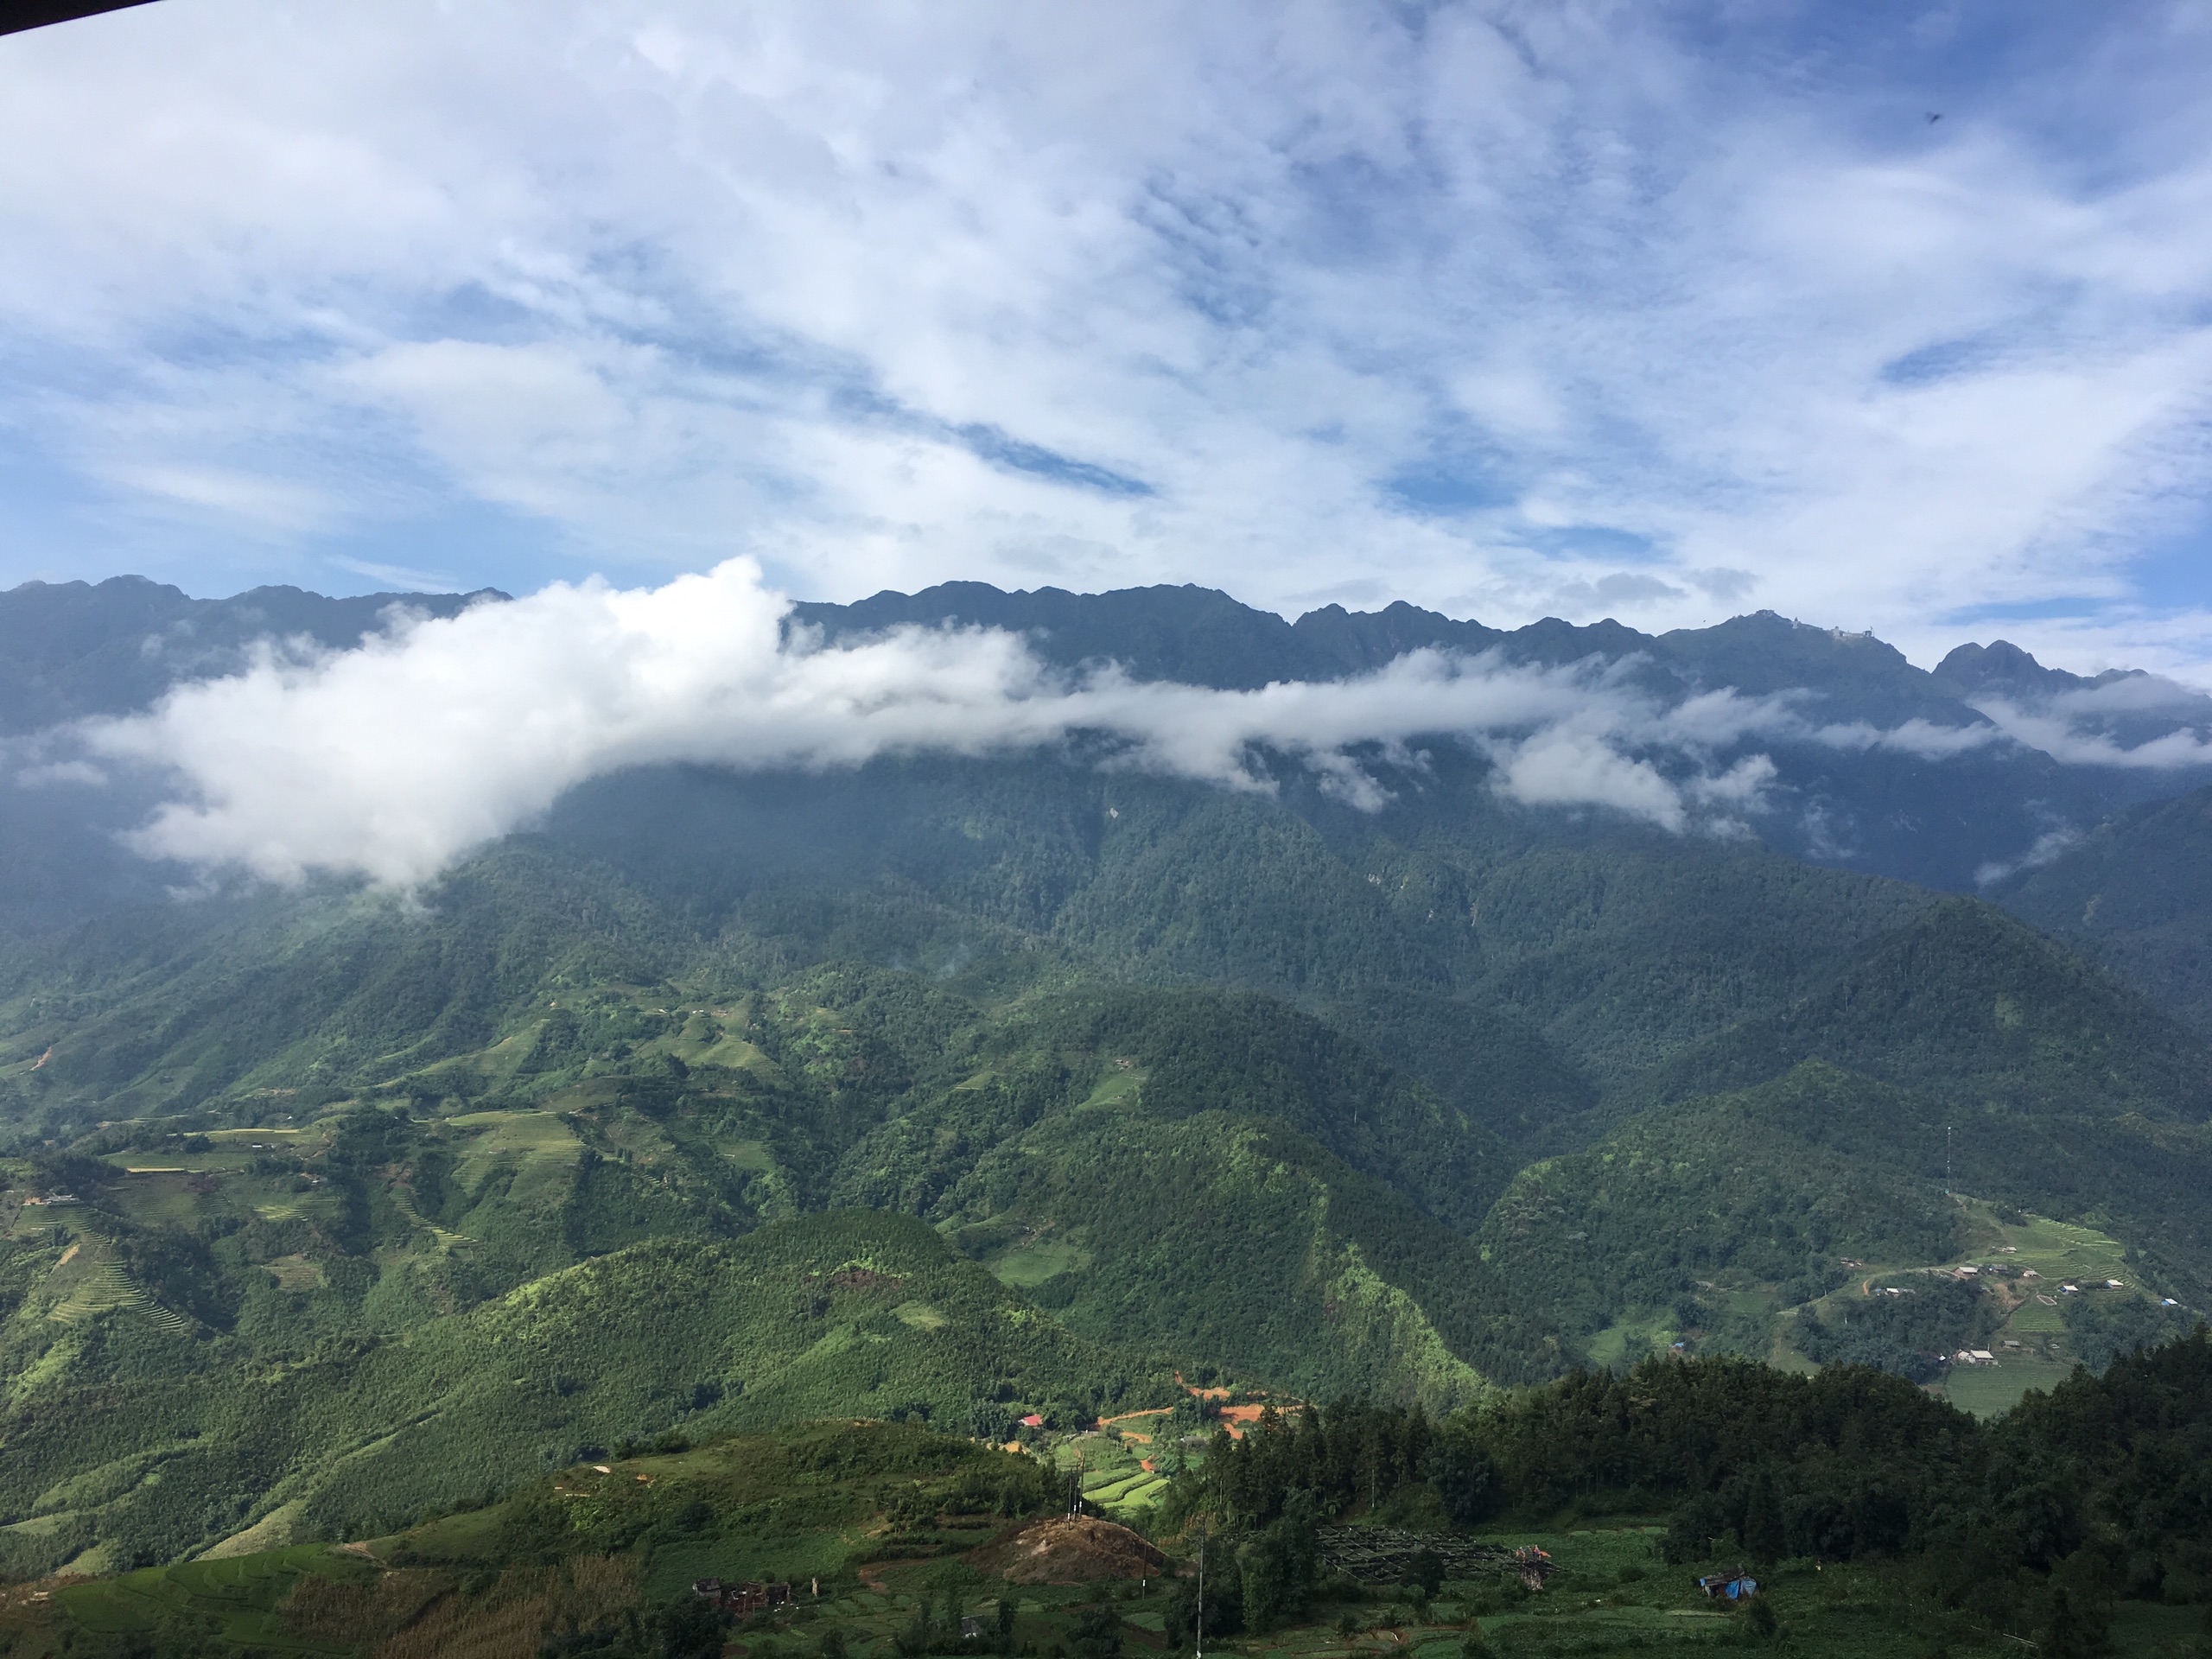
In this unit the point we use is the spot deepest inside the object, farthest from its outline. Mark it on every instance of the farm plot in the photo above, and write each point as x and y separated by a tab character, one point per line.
1115	1479
541	1148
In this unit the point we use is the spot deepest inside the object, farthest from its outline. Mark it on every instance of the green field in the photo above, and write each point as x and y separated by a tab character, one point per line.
238	1599
1609	1595
1027	1266
1114	1478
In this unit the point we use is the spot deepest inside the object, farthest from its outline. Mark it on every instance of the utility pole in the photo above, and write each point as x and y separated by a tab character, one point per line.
1201	1652
1947	1160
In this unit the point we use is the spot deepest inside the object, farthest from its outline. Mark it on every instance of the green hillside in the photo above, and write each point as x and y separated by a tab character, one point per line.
132	1437
386	1205
235	1323
1236	1239
1964	1001
1578	1516
2135	896
1715	1221
1769	1188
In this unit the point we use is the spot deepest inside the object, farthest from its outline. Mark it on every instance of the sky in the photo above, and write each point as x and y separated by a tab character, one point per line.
1888	317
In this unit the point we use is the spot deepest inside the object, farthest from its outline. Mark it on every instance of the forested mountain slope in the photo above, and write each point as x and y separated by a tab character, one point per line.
2136	896
70	649
1966	1003
965	1084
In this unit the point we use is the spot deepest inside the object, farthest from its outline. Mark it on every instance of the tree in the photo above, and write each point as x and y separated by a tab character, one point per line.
1691	1531
689	1629
1224	1603
1277	1563
1763	1535
1098	1633
1464	1476
2067	1632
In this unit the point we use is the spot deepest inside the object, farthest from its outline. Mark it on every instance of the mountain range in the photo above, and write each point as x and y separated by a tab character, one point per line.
963	1088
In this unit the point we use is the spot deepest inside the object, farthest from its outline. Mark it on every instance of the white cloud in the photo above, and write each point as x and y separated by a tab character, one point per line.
2045	850
2063	734
393	759
441	734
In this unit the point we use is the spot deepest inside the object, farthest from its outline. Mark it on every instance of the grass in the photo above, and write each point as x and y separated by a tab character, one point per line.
239	1595
707	1040
1119	1084
1027	1266
1588	1609
752	1156
1989	1390
1649	1333
1114	1476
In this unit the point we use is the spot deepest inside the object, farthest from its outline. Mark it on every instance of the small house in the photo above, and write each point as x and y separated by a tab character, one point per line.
1033	1421
1739	1586
740	1599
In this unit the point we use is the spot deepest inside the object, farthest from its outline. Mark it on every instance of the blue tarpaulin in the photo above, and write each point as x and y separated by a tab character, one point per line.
1736	1587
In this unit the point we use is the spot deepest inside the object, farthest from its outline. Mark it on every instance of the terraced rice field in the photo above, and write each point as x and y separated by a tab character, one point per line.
101	1285
1115	1480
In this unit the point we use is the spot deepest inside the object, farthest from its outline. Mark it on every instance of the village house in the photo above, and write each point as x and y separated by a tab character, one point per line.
740	1600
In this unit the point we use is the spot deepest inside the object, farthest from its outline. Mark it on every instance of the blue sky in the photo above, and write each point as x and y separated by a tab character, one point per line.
1658	312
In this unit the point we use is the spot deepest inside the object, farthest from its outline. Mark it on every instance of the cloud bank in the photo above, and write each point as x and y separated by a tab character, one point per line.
392	760
438	735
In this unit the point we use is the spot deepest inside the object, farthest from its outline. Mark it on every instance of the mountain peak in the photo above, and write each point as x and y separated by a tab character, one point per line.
2000	665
